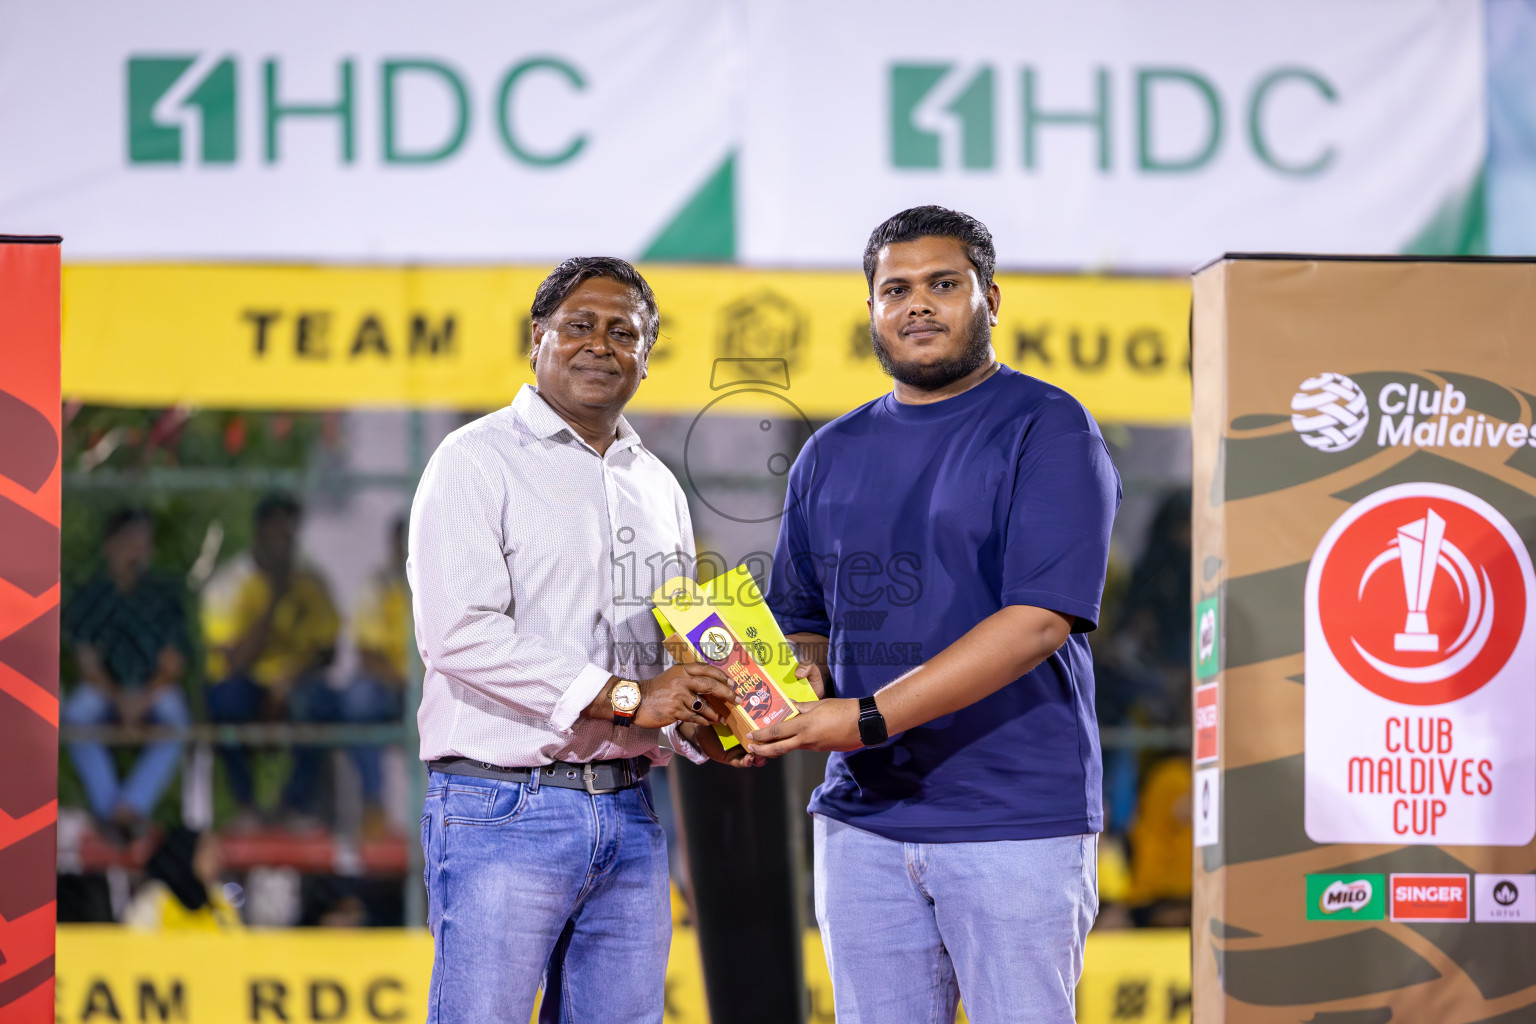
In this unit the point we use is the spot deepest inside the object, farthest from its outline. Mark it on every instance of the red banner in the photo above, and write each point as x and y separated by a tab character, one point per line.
29	623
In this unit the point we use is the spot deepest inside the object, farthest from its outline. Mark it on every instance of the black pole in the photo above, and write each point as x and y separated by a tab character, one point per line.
742	838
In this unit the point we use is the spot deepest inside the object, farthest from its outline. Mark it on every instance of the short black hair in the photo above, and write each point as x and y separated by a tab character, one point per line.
929	221
124	518
277	504
565	278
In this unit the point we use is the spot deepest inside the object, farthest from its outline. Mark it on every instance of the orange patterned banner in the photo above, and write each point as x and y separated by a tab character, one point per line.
29	622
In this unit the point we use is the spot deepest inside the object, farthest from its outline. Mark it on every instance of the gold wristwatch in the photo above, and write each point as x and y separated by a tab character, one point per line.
625	699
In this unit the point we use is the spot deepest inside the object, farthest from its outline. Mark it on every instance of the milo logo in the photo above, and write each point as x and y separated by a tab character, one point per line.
1346	896
1351	897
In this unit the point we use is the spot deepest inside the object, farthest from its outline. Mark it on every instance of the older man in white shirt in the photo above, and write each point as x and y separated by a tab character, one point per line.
537	535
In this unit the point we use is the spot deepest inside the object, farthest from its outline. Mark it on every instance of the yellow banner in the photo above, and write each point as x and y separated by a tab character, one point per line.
329	337
107	973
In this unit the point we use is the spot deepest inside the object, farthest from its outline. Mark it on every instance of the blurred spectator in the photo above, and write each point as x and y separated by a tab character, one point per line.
1160	841
375	694
1142	665
127	628
1156	613
271	632
182	888
349	912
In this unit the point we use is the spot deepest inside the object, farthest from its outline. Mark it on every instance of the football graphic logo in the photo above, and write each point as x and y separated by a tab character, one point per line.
1330	412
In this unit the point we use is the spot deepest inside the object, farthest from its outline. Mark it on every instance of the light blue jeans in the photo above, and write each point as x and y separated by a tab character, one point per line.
151	773
911	928
524	883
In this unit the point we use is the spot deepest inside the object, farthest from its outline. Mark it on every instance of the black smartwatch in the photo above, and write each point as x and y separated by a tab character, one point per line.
871	723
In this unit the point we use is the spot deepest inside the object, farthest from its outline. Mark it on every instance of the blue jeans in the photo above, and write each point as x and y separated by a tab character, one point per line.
910	928
369	701
240	699
527	884
151	773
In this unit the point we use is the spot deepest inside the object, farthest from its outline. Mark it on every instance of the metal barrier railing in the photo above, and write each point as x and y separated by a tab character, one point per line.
313	734
256	734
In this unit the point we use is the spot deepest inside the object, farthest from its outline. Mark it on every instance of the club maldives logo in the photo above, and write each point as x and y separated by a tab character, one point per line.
1420	664
715	644
1422	596
1330	412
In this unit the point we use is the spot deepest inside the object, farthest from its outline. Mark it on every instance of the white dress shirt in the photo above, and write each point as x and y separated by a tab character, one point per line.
532	560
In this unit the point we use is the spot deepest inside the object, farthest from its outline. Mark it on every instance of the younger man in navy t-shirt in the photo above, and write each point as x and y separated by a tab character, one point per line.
945	545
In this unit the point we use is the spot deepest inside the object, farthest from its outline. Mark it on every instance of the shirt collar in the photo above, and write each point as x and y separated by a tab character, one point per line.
545	422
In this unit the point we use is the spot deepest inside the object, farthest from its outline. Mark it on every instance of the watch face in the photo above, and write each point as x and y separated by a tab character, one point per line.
626	696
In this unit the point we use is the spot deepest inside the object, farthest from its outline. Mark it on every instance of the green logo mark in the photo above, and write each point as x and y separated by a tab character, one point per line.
916	147
153	141
1346	897
1207	638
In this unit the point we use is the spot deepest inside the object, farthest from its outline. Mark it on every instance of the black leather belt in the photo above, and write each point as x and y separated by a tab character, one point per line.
595	777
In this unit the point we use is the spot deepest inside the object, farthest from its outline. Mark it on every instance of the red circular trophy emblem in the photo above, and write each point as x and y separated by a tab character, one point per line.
1422	596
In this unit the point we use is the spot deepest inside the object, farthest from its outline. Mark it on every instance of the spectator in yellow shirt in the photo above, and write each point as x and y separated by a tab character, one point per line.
182	890
379	629
271	632
1161	839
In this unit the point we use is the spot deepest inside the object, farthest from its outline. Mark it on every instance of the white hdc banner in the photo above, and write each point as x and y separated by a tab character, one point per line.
1116	134
350	130
1104	134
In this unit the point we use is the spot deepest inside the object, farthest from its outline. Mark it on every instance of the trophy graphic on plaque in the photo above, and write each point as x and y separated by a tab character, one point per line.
1419	544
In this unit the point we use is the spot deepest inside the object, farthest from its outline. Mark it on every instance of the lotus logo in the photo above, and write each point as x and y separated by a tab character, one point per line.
1505	893
1345	896
1330	412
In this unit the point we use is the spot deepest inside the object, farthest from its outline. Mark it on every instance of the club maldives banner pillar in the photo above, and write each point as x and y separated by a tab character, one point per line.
29	622
1365	648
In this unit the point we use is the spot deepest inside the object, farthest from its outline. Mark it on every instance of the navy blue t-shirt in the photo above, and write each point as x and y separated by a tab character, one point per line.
904	527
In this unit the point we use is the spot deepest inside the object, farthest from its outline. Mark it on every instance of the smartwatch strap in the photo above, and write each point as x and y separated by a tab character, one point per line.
871	723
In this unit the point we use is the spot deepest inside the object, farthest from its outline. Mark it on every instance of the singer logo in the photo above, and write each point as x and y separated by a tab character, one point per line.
1431	898
1440	626
1207	746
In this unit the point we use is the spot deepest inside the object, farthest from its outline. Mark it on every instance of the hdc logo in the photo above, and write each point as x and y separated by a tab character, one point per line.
928	101
155	113
172	95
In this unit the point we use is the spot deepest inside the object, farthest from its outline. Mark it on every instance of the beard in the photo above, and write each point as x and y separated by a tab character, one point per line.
933	376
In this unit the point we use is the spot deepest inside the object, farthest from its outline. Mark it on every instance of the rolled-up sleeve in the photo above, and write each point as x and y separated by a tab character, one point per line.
462	595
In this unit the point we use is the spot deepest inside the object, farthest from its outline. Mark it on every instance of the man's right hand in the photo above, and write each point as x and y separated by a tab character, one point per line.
669	697
133	705
811	673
